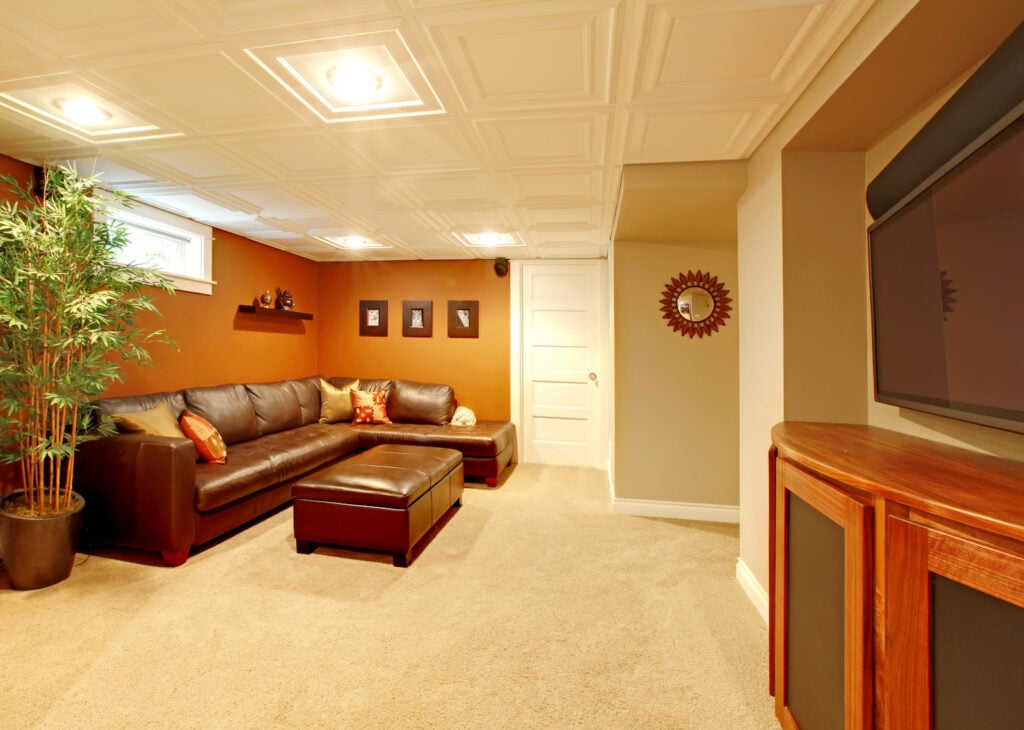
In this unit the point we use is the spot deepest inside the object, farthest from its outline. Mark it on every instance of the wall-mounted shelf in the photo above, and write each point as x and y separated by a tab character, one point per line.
284	313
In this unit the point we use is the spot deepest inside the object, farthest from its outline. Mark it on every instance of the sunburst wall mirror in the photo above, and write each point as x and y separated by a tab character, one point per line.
695	304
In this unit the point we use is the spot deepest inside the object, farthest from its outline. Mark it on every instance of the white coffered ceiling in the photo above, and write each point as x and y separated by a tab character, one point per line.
514	117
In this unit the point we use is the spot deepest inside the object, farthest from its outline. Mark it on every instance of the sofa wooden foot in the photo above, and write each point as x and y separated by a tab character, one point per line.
400	560
304	546
174	558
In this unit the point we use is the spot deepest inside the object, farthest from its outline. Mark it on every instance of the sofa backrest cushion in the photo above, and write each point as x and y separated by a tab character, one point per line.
308	392
135	403
412	402
277	406
367	384
228	408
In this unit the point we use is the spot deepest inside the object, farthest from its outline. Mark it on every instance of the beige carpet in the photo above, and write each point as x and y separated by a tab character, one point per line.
533	607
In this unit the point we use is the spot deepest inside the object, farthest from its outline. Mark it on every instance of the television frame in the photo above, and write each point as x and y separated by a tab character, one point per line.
949	409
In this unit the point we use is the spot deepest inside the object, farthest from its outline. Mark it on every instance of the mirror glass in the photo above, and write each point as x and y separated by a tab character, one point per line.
695	304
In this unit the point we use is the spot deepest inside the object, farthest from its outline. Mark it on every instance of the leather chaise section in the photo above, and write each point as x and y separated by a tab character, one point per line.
485	439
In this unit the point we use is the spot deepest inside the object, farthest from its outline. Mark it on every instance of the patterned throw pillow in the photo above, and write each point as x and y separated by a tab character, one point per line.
336	403
369	406
209	444
157	421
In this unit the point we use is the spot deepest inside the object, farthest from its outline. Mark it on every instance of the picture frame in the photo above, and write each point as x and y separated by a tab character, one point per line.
417	318
463	318
373	318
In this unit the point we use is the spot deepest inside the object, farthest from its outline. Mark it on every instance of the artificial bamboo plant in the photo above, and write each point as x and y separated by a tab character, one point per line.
68	321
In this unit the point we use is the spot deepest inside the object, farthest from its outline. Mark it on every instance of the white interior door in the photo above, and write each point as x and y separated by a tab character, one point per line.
561	315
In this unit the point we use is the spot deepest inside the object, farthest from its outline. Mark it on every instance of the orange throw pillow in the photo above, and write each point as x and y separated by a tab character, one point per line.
369	406
209	444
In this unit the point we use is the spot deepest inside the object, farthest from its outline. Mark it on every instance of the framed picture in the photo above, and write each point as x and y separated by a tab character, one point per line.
463	318
417	318
373	318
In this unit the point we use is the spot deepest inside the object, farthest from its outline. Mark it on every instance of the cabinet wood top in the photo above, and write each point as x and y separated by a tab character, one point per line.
978	489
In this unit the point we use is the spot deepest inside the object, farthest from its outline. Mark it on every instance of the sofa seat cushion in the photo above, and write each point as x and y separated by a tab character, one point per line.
260	463
485	439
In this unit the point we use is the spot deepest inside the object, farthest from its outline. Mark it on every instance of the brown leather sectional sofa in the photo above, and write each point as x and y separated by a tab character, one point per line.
150	492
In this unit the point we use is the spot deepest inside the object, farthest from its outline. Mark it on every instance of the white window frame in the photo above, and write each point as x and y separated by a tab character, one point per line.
199	234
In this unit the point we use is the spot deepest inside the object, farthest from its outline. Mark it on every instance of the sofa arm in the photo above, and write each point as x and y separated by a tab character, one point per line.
139	491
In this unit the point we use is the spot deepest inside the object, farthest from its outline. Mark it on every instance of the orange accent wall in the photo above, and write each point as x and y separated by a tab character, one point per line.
477	368
218	344
20	171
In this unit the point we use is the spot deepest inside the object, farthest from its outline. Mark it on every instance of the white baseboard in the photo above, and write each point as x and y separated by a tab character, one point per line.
754	590
676	510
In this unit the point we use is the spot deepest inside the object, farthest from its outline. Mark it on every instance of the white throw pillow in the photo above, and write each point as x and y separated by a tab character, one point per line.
463	417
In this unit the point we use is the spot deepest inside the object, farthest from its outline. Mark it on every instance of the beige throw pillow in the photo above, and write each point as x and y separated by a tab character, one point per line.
157	421
336	403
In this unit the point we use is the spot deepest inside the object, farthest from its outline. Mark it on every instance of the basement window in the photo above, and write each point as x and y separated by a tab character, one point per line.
180	248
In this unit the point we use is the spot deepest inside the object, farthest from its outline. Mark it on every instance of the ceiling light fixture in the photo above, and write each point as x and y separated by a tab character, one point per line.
491	238
353	242
355	79
82	110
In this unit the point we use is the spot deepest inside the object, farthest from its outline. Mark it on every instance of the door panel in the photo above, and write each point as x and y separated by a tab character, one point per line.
561	356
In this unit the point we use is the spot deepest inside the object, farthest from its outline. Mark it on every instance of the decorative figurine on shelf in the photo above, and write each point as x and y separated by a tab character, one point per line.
284	300
264	300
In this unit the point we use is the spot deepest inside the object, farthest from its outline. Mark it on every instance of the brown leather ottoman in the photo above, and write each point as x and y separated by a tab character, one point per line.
385	498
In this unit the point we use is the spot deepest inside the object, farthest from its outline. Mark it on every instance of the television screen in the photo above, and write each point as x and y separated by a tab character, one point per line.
947	290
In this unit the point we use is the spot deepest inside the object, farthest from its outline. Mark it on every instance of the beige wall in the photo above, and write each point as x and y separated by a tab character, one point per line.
763	269
759	261
676	398
802	231
824	261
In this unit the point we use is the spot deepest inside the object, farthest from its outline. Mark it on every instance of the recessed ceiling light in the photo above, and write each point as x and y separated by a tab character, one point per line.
355	79
82	110
491	238
353	242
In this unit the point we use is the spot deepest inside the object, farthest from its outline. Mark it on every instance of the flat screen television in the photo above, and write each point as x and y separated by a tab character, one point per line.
947	287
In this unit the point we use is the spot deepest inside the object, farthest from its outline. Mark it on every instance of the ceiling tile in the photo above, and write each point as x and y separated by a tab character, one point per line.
237	16
666	136
546	140
561	59
428	145
555	184
203	87
70	28
291	155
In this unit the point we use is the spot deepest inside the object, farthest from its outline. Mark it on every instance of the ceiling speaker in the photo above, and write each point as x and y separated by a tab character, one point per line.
500	266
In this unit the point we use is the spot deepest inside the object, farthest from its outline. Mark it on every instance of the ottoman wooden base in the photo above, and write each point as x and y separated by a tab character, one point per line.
385	498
